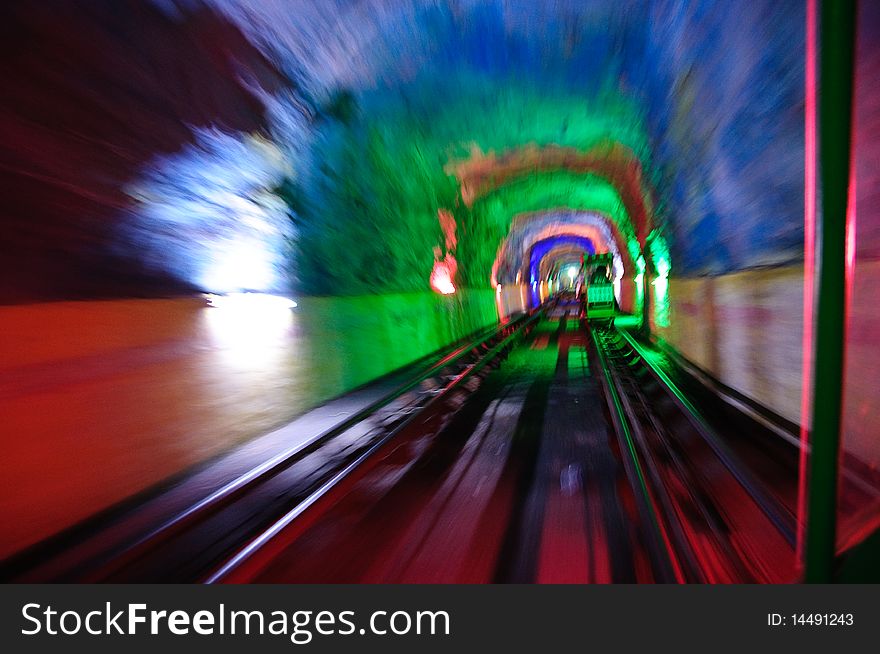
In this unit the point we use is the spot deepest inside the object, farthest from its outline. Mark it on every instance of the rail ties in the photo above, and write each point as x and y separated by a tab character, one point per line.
713	520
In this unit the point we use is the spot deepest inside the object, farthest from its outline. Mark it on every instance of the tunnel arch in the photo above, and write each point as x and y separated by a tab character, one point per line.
491	216
540	250
440	79
614	162
512	259
531	227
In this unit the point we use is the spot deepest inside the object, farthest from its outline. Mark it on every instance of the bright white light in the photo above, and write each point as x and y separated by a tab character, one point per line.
444	286
239	264
251	302
663	268
661	286
208	214
572	272
252	330
441	276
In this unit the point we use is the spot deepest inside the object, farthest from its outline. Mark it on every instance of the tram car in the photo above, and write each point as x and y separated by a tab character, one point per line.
600	302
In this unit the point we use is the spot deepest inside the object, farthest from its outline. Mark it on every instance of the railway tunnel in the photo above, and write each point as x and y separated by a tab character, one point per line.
300	292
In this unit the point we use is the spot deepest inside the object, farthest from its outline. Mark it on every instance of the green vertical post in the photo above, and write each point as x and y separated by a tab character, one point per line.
836	54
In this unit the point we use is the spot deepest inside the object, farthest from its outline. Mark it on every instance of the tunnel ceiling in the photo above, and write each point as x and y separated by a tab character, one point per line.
247	144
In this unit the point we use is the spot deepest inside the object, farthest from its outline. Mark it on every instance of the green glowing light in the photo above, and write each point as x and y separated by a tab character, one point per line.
661	302
659	253
640	285
382	177
660	258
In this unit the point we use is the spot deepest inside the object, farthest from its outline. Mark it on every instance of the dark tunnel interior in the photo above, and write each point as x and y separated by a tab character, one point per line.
583	240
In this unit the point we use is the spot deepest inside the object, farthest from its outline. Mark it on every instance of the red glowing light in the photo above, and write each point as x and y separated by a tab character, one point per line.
809	267
443	274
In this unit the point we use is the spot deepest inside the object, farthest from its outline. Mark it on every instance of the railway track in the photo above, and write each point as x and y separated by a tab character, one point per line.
659	493
715	521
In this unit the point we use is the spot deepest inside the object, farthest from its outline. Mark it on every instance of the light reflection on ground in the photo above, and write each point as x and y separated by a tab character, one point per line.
101	400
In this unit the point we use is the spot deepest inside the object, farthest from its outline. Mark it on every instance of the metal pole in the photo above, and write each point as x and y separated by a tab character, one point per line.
836	53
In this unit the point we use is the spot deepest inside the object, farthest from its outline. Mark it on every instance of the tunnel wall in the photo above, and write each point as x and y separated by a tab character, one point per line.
103	399
731	156
251	103
512	300
744	329
726	98
365	337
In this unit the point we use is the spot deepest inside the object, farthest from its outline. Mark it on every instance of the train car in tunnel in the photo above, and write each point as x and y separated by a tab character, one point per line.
417	290
600	301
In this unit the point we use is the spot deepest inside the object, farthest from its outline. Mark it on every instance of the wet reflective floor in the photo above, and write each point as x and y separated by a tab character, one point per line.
102	400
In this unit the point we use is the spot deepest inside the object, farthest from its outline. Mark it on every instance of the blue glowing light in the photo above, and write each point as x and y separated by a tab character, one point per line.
208	214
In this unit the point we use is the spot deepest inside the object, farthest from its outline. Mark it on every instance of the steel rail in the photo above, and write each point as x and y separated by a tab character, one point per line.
231	565
781	519
668	564
237	487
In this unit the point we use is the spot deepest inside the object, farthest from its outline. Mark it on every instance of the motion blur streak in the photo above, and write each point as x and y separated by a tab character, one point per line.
208	215
220	216
810	156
